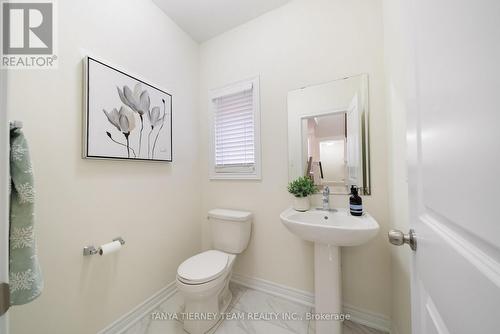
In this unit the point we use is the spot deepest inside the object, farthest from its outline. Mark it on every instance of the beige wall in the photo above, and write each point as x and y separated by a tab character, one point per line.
153	206
396	58
302	43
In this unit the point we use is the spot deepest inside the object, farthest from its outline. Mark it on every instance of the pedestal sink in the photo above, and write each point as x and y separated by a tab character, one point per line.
329	230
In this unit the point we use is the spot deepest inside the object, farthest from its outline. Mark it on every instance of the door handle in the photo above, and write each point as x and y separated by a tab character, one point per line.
4	298
398	238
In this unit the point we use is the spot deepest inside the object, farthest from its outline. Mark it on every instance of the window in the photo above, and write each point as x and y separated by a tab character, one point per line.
235	131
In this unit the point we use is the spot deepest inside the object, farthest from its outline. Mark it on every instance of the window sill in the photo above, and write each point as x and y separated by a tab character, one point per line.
234	176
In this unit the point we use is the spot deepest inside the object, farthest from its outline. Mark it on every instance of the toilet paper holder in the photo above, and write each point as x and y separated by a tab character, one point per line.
92	250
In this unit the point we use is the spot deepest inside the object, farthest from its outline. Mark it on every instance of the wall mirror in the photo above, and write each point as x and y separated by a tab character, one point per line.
328	135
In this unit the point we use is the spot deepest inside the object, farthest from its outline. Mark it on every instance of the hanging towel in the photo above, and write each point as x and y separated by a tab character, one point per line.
26	282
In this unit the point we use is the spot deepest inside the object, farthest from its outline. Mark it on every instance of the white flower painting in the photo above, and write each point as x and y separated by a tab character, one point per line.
125	118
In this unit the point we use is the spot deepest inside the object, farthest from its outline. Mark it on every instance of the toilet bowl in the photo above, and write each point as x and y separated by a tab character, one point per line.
203	279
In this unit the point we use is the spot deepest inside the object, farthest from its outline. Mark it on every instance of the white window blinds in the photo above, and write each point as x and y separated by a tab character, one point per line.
234	123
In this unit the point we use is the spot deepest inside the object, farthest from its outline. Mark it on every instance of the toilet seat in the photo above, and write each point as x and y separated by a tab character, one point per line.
204	267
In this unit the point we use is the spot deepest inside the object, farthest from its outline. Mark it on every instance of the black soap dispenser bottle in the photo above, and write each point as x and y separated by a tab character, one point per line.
355	202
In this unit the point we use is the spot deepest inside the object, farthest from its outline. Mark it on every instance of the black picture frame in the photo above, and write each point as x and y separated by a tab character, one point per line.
87	62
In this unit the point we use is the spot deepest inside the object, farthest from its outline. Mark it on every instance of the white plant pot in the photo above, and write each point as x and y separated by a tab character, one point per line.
301	203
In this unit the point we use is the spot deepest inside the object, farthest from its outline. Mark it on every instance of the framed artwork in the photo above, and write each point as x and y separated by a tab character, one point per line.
124	117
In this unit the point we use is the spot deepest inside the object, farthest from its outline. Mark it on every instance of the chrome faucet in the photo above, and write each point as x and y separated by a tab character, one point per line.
326	198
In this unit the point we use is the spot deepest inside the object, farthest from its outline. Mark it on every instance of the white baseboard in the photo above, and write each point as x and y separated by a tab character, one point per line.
358	315
140	311
368	318
295	295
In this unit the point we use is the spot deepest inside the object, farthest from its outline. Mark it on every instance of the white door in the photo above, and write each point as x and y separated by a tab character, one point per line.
454	166
4	225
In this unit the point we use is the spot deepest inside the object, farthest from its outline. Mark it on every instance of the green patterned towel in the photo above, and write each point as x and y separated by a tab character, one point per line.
26	282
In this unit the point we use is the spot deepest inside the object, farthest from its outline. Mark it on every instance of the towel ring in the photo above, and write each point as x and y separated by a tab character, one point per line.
15	125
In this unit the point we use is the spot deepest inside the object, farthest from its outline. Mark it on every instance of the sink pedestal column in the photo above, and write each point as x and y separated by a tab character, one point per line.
327	287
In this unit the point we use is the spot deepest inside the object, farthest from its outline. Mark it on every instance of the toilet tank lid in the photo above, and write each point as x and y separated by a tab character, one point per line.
232	215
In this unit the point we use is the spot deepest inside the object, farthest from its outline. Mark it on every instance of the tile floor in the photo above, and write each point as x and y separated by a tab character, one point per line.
244	300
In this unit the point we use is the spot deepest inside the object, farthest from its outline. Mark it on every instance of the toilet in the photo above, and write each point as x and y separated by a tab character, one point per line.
203	279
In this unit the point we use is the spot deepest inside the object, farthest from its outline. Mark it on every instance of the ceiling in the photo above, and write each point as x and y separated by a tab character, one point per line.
204	19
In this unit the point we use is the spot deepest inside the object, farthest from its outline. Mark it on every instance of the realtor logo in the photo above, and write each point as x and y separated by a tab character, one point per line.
28	34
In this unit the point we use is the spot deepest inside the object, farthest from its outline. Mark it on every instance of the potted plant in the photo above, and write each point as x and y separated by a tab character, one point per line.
301	188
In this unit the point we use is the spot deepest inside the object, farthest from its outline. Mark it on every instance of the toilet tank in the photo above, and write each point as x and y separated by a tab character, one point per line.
230	229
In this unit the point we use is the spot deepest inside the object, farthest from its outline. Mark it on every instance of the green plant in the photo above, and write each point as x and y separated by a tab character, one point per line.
302	187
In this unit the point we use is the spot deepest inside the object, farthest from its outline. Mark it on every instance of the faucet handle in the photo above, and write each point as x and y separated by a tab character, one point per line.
326	191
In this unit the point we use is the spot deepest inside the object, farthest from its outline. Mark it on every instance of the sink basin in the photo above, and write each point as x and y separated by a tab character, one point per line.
336	228
329	230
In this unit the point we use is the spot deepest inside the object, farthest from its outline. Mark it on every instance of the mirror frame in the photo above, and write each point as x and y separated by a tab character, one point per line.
295	143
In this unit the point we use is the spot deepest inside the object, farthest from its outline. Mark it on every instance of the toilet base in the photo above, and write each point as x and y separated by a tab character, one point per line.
214	301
